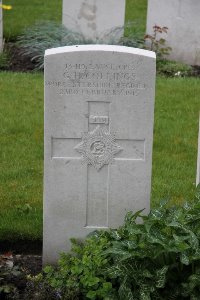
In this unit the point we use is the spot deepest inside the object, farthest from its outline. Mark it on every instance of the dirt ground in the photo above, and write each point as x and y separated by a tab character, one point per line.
18	62
14	270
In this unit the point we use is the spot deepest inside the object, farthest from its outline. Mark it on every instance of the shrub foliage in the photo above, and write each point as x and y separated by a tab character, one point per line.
36	39
45	35
158	258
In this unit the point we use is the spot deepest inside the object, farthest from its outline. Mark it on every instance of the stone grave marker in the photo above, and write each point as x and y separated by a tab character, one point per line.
95	18
198	159
99	108
1	28
182	19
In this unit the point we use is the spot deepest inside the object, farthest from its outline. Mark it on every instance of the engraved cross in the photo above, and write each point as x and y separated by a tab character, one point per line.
99	148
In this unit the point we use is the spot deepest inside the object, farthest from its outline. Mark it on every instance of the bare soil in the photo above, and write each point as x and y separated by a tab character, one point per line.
14	270
30	264
17	61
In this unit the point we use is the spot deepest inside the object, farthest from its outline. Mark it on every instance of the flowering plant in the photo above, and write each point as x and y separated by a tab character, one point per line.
8	7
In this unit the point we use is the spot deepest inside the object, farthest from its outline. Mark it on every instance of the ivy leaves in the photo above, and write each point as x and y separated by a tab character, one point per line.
156	258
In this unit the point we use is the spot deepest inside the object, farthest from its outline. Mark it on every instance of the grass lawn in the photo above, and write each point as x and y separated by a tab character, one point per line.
25	13
136	11
175	139
21	155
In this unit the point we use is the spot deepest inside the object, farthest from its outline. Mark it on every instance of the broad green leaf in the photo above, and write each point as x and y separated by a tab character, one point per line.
194	242
179	242
115	235
146	273
145	293
91	295
136	215
163	203
129	244
153	240
156	214
136	229
125	292
161	277
184	259
114	271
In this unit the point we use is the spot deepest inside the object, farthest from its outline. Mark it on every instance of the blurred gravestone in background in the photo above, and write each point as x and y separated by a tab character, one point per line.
95	18
182	17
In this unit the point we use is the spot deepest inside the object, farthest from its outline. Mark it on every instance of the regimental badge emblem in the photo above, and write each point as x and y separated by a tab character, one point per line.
98	147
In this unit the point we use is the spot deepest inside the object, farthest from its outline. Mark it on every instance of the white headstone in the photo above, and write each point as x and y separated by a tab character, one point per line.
99	107
95	19
198	159
1	28
182	17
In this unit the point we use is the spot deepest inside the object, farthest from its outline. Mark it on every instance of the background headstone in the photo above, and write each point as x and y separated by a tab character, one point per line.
198	159
95	18
1	28
99	107
182	17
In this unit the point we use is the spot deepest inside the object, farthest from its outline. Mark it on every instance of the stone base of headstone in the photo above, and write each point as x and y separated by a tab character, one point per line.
183	22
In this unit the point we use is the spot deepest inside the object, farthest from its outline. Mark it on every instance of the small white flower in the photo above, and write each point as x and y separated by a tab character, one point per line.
178	73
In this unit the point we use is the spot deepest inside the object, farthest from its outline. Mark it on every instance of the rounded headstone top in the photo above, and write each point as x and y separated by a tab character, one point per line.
107	48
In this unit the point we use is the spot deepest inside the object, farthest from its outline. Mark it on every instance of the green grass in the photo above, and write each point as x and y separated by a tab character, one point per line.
136	10
26	13
175	139
21	155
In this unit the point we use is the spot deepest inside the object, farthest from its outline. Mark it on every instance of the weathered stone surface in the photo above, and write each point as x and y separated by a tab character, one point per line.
198	159
95	19
99	107
182	19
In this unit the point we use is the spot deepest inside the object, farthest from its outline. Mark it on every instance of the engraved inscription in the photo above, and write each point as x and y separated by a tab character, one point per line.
99	79
98	120
98	147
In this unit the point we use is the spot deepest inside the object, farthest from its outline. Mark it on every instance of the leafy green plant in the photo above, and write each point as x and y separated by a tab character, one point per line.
81	275
4	60
35	40
133	36
158	258
157	44
173	68
7	7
